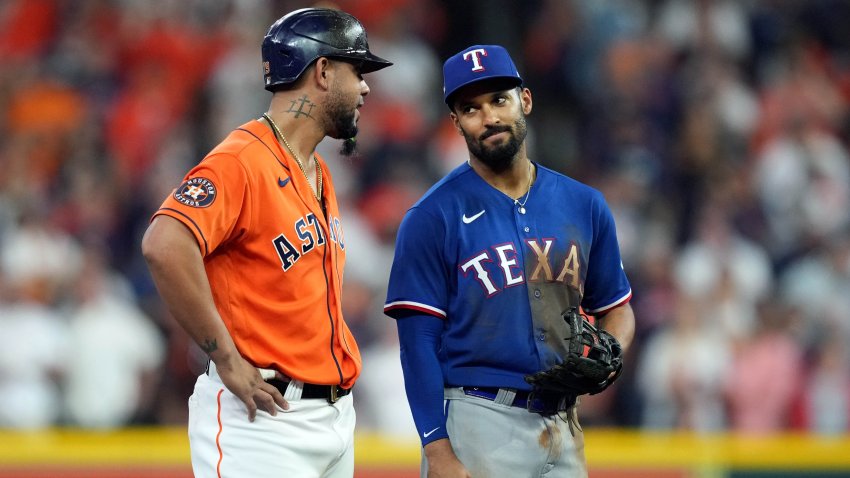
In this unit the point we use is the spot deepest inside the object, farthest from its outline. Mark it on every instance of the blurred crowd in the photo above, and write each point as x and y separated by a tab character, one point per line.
718	131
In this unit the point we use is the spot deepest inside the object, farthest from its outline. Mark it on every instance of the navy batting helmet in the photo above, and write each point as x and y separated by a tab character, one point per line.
300	37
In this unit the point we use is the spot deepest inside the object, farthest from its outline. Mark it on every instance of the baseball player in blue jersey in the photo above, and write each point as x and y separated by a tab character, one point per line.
486	265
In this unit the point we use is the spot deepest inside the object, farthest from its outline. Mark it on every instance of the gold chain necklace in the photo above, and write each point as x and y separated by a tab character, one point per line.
528	192
318	190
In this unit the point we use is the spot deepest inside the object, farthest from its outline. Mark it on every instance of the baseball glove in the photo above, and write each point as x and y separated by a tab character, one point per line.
594	360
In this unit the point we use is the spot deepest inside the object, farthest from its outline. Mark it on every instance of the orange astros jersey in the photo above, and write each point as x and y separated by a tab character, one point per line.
273	259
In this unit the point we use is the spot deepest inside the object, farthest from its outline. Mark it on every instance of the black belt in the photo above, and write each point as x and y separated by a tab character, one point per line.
536	402
331	393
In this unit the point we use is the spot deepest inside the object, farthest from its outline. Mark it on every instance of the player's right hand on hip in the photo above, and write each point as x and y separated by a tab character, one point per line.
245	381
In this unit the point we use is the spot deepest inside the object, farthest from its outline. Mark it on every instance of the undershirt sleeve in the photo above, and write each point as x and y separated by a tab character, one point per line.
419	338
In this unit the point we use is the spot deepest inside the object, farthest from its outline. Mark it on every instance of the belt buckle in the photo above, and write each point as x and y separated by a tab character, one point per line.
334	395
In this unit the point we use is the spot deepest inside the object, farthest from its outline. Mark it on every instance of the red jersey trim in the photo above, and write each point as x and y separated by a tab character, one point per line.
415	306
622	301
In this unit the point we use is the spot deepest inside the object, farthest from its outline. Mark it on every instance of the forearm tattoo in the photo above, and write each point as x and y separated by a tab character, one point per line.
209	346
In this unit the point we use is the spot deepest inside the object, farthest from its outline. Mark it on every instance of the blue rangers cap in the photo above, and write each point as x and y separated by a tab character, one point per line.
477	63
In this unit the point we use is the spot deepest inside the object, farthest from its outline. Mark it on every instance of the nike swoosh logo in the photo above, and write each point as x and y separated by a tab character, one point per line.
283	182
467	220
427	434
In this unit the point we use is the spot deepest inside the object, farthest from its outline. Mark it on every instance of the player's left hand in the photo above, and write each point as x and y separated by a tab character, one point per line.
594	360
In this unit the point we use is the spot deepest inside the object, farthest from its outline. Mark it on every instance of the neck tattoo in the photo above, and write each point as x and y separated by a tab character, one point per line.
317	191
527	192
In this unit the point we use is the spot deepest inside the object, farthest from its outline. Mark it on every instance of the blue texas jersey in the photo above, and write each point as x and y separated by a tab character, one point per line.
501	279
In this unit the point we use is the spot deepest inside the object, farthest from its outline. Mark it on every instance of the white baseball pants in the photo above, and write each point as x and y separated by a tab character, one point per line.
313	439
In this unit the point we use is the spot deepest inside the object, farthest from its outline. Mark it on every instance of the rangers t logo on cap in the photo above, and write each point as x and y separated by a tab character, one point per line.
477	63
474	55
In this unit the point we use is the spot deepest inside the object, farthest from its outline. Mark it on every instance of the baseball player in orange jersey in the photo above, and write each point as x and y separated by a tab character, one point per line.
248	254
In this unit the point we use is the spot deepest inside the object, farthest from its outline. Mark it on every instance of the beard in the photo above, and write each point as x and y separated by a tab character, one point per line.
343	123
349	146
498	157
